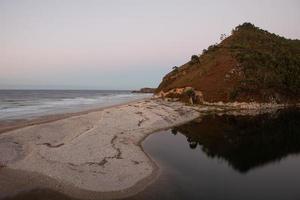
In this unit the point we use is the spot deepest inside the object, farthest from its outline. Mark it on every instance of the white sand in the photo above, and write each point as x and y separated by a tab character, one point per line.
98	152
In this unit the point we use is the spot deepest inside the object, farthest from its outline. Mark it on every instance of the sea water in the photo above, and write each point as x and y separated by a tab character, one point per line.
20	104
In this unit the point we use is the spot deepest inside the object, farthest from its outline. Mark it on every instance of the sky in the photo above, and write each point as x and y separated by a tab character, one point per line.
120	44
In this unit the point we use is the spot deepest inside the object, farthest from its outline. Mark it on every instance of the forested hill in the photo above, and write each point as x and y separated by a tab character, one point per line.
249	65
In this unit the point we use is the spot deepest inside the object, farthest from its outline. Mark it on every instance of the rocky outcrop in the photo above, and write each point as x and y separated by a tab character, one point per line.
144	90
185	94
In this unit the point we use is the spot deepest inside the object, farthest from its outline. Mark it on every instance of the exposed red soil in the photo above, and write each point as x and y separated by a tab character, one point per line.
250	65
208	76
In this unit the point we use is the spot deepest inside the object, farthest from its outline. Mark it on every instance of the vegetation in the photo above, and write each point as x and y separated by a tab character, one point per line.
210	49
194	59
190	92
222	37
175	68
249	65
270	62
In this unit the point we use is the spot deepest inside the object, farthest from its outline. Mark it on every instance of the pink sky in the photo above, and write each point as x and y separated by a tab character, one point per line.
120	44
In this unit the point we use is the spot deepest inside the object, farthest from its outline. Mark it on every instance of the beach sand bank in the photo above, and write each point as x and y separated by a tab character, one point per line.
91	155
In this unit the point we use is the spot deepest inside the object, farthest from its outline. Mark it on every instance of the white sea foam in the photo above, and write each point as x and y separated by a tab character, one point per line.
18	106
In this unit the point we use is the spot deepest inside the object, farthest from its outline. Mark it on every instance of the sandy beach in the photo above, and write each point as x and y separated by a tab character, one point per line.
91	155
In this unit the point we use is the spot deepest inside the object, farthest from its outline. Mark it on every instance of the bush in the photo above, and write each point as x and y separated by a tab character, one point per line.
244	26
233	94
212	48
190	92
175	68
194	59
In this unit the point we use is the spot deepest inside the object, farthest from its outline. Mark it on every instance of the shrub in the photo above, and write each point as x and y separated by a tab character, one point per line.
223	36
233	94
175	68
212	48
190	92
194	59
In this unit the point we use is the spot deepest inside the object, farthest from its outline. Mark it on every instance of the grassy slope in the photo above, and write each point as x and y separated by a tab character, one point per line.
250	65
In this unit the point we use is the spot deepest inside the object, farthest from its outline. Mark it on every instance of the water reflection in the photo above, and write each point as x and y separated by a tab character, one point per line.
245	142
191	170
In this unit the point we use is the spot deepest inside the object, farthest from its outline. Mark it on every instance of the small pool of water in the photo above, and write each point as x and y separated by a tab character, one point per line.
228	157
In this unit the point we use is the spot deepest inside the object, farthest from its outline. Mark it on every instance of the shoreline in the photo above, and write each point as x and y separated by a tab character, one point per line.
136	121
13	124
159	115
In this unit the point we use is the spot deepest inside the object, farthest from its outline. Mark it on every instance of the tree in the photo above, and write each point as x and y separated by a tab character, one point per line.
194	59
223	36
190	92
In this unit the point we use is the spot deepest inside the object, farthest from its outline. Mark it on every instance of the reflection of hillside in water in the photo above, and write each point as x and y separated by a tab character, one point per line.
246	142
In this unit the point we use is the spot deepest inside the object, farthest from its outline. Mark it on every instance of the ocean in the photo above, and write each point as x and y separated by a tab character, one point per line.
28	104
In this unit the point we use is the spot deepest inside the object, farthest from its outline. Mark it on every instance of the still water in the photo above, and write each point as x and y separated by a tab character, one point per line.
221	158
228	157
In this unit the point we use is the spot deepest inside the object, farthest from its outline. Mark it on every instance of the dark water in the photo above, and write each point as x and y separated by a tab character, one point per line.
222	158
19	104
228	157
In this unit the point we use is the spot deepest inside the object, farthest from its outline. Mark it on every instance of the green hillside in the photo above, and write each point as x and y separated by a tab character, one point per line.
249	65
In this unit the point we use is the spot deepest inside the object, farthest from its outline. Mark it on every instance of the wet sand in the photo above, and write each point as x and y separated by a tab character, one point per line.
91	155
